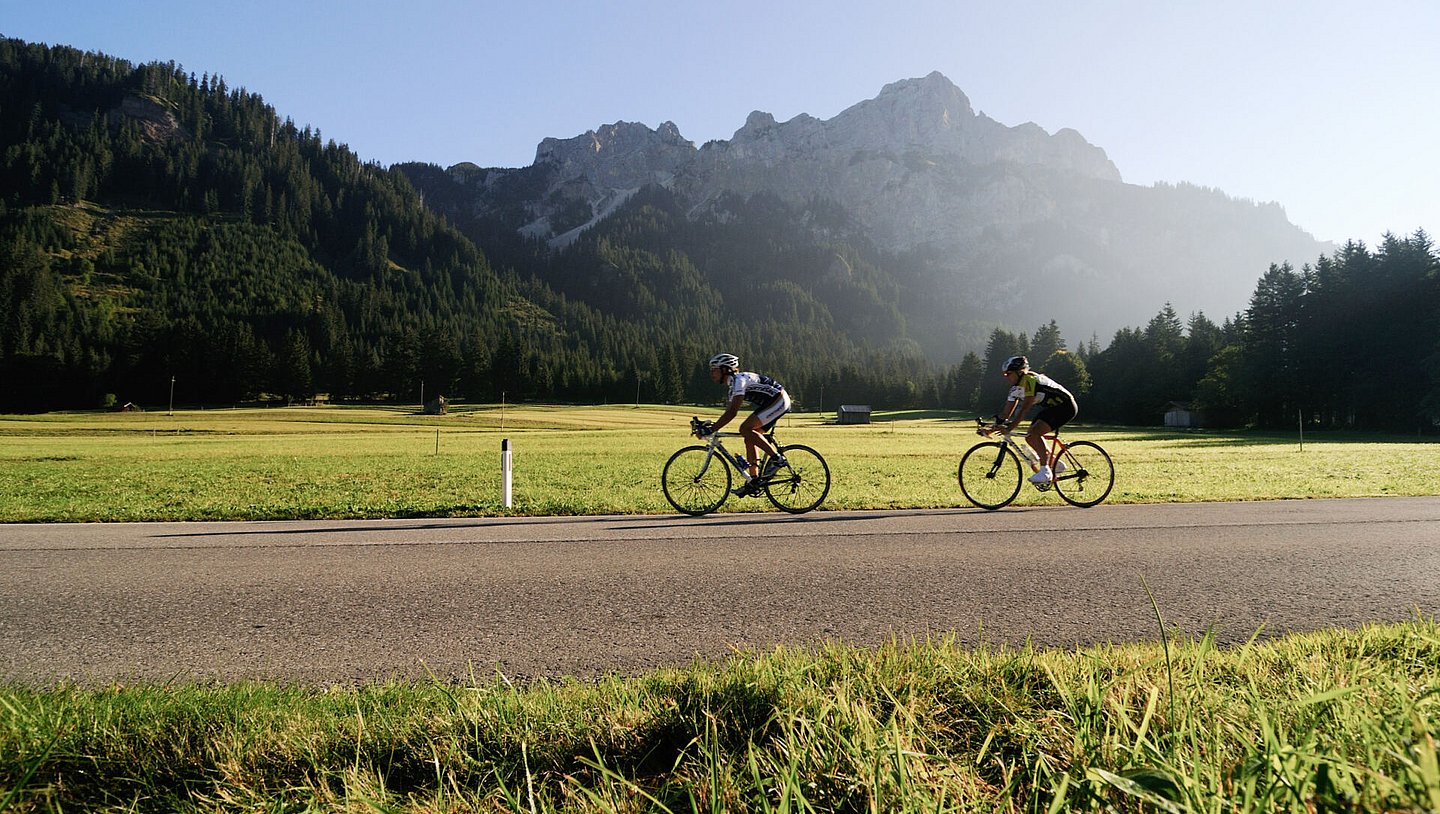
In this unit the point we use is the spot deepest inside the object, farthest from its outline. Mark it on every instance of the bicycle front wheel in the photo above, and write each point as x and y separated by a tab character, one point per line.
1088	477
990	475
695	482
802	484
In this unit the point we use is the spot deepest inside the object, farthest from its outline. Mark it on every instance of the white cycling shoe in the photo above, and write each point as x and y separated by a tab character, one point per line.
1043	476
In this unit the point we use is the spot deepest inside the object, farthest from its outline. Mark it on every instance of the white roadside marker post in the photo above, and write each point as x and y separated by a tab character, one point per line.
505	472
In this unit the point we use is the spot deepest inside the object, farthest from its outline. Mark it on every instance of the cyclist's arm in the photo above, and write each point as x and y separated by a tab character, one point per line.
730	410
999	425
1009	408
1018	413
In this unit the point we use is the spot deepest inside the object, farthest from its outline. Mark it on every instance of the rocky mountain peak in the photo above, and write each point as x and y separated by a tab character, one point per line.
916	165
932	96
933	116
623	155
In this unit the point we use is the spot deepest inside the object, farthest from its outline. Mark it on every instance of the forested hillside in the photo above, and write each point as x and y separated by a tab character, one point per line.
157	228
155	224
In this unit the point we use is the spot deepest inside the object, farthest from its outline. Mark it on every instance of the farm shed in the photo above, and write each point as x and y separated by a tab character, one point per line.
1180	414
854	414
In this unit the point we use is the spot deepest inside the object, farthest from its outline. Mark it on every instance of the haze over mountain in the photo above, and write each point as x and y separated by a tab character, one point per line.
977	222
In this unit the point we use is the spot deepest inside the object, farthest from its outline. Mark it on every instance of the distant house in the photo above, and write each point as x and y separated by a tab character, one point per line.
1180	414
854	414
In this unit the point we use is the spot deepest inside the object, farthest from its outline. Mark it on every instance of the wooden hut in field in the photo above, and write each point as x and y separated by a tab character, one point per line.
854	414
1181	414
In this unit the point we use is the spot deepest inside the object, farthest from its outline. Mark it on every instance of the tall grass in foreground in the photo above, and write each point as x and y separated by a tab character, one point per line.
1330	721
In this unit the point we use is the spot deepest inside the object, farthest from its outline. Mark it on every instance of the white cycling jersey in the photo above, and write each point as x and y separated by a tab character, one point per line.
758	390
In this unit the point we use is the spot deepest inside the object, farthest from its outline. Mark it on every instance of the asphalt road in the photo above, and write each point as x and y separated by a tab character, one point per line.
349	601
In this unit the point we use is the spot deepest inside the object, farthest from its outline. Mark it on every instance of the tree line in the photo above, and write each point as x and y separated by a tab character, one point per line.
1346	343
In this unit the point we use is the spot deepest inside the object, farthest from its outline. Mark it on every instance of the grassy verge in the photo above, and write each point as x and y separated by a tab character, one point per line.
1331	721
364	462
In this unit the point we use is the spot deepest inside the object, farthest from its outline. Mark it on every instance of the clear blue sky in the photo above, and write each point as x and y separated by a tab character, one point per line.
1328	108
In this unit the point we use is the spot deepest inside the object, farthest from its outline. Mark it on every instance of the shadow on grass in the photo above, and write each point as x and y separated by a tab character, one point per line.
1200	435
919	415
1246	438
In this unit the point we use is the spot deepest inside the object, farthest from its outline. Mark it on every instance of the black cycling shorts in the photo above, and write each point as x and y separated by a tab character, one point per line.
1057	415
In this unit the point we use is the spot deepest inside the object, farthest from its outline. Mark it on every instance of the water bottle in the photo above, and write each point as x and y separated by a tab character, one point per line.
1031	457
741	462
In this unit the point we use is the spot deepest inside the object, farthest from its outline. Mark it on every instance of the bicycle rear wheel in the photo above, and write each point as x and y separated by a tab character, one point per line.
990	475
803	484
1089	475
692	486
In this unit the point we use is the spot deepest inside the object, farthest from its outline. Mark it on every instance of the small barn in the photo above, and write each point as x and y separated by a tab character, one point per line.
1181	414
854	414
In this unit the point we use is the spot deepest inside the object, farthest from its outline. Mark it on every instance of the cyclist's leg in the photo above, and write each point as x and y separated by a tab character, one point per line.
753	428
753	431
1049	421
1039	428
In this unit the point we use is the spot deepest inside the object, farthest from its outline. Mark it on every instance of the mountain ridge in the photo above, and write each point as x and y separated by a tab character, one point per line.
998	221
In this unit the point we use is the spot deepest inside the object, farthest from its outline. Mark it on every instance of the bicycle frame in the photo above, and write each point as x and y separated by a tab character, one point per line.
715	444
1057	449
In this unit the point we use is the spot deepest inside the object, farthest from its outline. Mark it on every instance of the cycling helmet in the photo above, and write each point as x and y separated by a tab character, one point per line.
725	360
1017	363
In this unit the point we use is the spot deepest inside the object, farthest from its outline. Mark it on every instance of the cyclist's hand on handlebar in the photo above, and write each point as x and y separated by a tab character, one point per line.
706	428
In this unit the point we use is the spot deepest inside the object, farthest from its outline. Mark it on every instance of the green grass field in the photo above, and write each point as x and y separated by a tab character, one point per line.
369	462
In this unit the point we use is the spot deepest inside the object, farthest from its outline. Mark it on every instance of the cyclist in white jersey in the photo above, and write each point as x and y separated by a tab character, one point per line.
770	401
1057	406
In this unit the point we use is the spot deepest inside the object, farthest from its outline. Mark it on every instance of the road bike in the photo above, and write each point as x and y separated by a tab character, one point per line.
991	473
696	480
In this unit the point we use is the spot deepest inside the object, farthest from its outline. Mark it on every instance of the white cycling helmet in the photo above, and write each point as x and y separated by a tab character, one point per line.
728	361
1017	363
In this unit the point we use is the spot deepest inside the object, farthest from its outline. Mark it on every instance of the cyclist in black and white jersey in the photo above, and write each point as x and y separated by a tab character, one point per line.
1057	406
770	401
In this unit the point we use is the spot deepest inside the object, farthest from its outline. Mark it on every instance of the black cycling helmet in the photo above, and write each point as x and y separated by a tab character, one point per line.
1017	363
